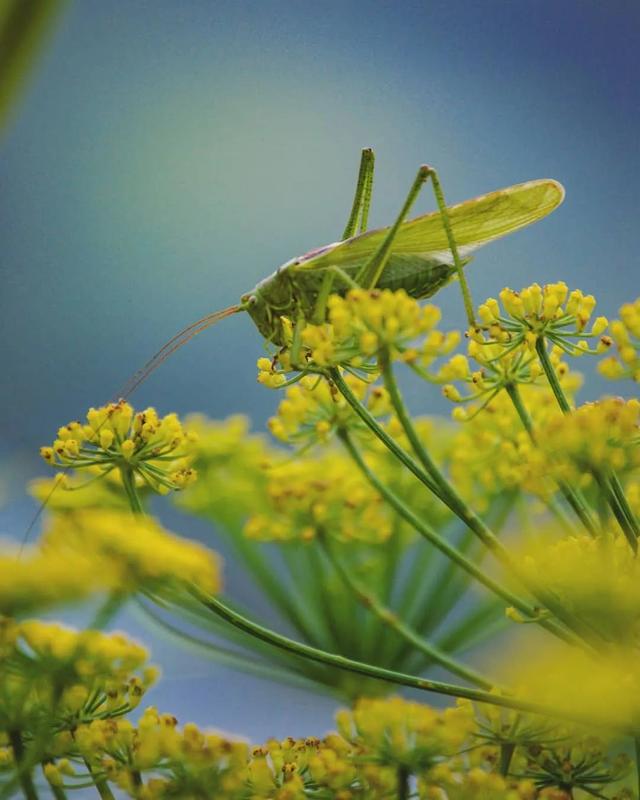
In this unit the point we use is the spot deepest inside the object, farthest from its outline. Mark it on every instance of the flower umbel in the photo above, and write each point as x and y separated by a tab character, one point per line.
155	449
625	333
549	311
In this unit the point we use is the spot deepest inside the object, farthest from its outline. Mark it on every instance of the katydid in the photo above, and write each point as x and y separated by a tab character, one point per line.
419	255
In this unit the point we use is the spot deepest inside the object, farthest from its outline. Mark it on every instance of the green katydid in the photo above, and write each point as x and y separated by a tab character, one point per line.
419	255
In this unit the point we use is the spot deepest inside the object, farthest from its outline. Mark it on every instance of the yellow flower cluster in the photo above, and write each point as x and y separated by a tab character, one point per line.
192	763
323	495
135	550
313	410
602	688
156	449
404	733
625	333
493	453
597	580
549	311
359	327
364	322
50	669
37	579
380	744
596	436
231	464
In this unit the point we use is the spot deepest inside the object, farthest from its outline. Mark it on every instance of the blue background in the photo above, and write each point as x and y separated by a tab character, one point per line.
170	154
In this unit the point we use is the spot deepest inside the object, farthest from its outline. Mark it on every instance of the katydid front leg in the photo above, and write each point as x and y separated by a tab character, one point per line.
328	279
362	200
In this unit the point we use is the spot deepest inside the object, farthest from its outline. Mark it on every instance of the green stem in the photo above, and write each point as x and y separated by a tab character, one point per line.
573	497
101	785
552	376
389	618
507	750
128	481
22	766
403	783
442	487
617	509
621	497
223	611
445	490
425	530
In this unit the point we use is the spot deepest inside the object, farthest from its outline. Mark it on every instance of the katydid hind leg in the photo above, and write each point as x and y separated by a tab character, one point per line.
370	272
357	221
453	247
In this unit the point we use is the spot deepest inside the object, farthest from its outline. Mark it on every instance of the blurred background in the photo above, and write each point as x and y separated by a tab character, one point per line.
166	156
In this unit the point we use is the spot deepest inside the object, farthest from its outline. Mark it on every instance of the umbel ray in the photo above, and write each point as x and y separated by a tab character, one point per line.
419	255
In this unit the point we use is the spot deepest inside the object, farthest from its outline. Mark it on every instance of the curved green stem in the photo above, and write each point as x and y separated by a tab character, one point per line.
223	611
425	530
389	618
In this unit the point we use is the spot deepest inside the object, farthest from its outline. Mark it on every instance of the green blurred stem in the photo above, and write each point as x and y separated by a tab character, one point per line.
24	772
432	478
389	618
507	750
128	481
425	530
403	783
444	490
24	26
610	485
216	606
101	785
574	497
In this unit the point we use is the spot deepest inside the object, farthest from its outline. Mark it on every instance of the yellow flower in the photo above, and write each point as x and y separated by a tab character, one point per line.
597	436
35	579
139	552
231	464
595	580
308	496
156	449
396	731
625	333
548	312
313	410
360	326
